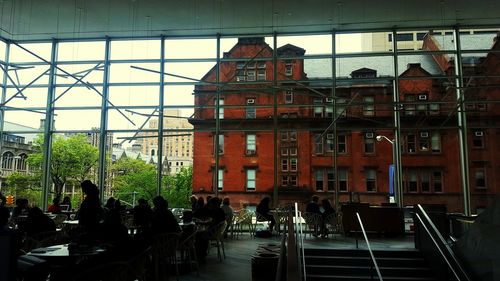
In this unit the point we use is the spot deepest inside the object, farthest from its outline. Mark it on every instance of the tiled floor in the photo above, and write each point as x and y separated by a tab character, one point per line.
237	265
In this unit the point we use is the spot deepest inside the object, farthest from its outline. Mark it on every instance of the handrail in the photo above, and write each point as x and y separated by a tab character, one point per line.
281	260
293	258
369	248
440	245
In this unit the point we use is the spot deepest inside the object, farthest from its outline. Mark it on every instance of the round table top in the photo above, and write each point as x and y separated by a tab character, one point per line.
64	250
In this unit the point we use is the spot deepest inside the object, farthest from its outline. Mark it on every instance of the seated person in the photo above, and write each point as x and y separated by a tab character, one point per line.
142	214
313	206
37	222
264	209
163	221
55	208
327	210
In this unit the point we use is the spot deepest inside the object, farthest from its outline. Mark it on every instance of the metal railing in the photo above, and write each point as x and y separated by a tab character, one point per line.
374	262
432	245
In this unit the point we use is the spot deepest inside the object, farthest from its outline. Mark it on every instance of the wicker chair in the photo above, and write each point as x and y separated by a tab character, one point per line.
333	224
59	219
138	265
216	237
164	252
187	250
260	219
244	217
313	222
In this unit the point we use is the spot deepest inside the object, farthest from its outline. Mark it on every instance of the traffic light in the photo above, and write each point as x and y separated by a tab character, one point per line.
10	199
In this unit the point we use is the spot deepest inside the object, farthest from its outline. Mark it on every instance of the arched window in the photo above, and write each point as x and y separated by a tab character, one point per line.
21	164
7	159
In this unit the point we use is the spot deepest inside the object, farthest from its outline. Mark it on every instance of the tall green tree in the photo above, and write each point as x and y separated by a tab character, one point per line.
72	159
22	185
178	188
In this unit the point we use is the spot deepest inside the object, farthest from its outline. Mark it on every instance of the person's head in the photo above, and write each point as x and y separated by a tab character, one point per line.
315	198
110	203
35	213
4	216
201	201
66	200
118	204
160	203
326	204
214	203
225	201
193	199
56	200
208	198
89	188
142	202
113	217
265	201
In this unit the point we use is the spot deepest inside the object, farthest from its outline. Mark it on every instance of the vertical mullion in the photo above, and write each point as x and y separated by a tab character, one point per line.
159	153
103	134
48	127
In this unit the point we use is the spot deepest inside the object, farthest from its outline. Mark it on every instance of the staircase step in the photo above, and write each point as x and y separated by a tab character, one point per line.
314	277
347	260
367	270
357	253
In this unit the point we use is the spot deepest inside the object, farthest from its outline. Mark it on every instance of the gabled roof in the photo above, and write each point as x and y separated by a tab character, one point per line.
290	49
412	67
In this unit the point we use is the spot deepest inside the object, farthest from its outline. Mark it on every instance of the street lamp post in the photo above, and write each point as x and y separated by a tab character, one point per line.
398	190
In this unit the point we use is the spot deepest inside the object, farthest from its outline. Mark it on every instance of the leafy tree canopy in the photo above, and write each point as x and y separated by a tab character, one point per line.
72	158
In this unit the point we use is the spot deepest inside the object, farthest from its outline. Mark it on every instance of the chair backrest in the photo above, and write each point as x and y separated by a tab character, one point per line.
312	218
165	244
331	219
260	217
58	220
216	232
188	242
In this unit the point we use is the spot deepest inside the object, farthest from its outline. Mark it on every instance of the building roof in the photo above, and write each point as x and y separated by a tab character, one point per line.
10	126
322	68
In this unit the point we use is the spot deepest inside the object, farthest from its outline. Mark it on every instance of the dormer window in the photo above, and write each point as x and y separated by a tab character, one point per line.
288	68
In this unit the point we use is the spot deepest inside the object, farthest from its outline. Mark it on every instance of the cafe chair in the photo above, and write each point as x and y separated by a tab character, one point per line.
111	271
313	222
164	253
260	219
281	218
216	237
187	250
138	265
244	218
59	219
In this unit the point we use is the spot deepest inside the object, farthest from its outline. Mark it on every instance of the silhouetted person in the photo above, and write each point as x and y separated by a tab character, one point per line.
90	213
193	200
67	201
163	220
113	231
313	206
21	208
264	210
327	210
38	222
55	208
110	203
201	211
142	214
228	211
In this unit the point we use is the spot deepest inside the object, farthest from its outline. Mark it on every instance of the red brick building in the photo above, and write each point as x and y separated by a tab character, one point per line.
306	141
